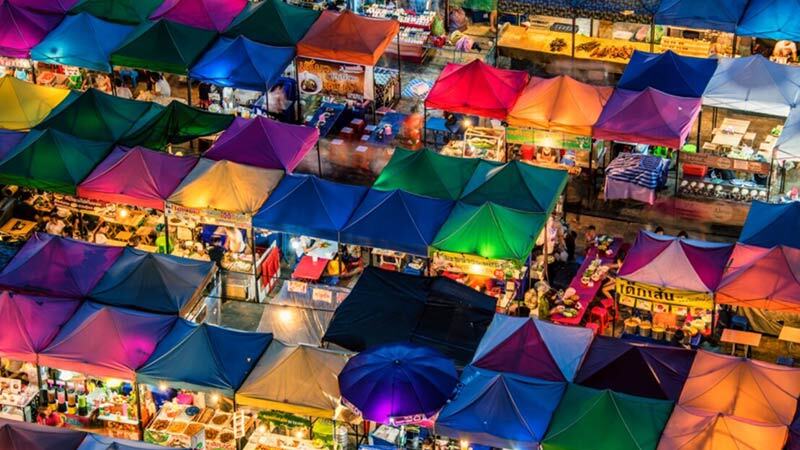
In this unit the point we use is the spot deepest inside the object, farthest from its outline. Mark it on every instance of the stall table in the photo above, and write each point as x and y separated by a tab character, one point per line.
310	268
18	228
727	139
736	125
746	338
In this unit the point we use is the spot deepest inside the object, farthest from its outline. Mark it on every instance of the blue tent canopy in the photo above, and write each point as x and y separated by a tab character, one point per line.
82	40
771	224
773	19
310	206
152	282
720	15
99	442
788	145
204	357
242	63
668	72
396	220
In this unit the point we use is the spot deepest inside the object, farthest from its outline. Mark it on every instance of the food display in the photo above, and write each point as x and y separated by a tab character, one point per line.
707	184
176	424
414	31
281	430
595	272
479	142
15	400
544	40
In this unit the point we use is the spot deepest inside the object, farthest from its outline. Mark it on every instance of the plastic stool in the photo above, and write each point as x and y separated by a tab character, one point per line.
739	322
601	315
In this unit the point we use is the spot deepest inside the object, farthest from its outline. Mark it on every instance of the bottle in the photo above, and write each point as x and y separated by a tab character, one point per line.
61	399
51	393
72	401
83	409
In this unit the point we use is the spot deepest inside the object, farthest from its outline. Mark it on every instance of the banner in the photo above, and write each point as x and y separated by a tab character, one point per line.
630	292
350	81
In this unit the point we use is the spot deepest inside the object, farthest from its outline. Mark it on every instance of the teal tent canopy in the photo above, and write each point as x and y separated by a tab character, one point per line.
425	172
176	124
122	11
515	185
273	22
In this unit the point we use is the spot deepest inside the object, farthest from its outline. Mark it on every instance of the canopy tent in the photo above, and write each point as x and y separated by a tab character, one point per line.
532	348
29	323
754	84
225	186
771	224
647	117
437	312
152	282
122	11
788	145
427	173
136	177
770	19
26	104
501	410
45	6
9	140
176	124
490	231
515	185
52	161
273	22
720	15
58	266
559	104
103	341
266	143
396	220
697	429
213	15
347	37
99	116
763	278
668	72
742	387
588	418
81	40
163	46
309	206
16	435
227	357
651	371
299	379
21	29
476	88
98	442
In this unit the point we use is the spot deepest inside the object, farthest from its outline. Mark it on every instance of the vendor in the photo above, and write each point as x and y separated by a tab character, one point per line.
234	242
49	417
590	237
785	49
55	225
100	235
160	85
216	252
120	90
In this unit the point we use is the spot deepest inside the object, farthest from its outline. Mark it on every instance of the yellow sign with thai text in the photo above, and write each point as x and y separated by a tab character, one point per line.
629	290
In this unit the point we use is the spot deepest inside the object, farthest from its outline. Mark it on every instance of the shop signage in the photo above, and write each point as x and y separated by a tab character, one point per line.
631	292
321	295
350	81
210	216
297	287
18	63
721	162
476	265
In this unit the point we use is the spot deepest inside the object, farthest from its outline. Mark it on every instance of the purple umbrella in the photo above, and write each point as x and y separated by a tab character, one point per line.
398	382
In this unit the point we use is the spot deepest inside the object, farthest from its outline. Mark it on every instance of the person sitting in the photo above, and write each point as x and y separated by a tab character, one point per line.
458	20
120	90
55	225
101	233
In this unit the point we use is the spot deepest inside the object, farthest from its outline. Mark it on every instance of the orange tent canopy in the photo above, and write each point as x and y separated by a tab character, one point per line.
559	104
347	37
766	278
697	429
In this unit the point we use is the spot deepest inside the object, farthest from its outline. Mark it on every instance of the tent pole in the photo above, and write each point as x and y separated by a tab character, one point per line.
138	389
652	34
399	69
319	160
33	70
769	177
574	25
38	373
266	98
113	85
699	127
166	233
189	90
614	319
677	171
255	257
425	124
735	44
298	110
591	173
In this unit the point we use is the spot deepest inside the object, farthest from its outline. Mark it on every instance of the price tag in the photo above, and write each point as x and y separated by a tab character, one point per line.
297	287
322	295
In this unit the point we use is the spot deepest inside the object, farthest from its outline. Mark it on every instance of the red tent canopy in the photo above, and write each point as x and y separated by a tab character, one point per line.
347	37
477	88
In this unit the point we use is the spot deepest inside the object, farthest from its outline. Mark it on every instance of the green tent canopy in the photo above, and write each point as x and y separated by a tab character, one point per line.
163	46
516	185
491	231
176	124
52	161
98	116
273	22
600	420
427	173
122	11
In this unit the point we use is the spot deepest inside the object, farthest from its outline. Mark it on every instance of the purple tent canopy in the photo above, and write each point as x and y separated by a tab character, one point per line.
647	117
21	29
28	436
265	143
58	266
9	140
206	14
45	6
29	323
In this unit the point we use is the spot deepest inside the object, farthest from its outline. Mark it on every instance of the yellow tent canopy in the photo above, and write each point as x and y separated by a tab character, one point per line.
26	104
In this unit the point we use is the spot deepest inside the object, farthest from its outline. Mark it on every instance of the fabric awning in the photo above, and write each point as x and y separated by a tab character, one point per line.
720	15
121	11
427	173
668	72
26	104
30	323
771	224
176	124
347	37
21	29
763	278
273	22
213	15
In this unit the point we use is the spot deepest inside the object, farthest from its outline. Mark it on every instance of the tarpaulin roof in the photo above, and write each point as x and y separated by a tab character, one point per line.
425	172
742	387
501	410
668	72
26	104
47	6
299	379
754	84
52	161
243	64
99	116
99	442
652	371
136	177
437	312
29	323
773	19
58	266
647	117
763	278
16	435
123	11
82	40
176	124
163	46
225	357
396	220
273	22
698	429
559	104
226	186
348	37
104	341
588	418
21	29
675	263
310	206
788	145
720	15
206	14
771	224
477	88
532	348
263	142
152	282
515	185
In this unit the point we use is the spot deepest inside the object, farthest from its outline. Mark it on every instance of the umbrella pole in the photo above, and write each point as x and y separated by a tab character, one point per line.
189	90
319	160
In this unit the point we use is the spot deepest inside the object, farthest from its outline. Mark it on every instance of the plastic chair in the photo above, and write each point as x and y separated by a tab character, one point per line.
740	323
785	361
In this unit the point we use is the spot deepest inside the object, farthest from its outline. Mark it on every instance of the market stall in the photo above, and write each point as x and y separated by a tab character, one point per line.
19	436
427	173
273	22
668	72
763	278
26	104
515	185
769	19
299	313
98	442
415	30
700	29
178	123
121	11
213	15
769	225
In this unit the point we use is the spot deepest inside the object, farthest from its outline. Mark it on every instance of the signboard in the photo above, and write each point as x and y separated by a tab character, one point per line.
350	81
210	216
721	162
631	293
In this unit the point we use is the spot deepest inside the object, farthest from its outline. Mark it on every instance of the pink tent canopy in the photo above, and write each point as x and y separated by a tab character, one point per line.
136	177
265	143
477	88
46	6
21	29
647	117
207	14
104	341
29	323
767	278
